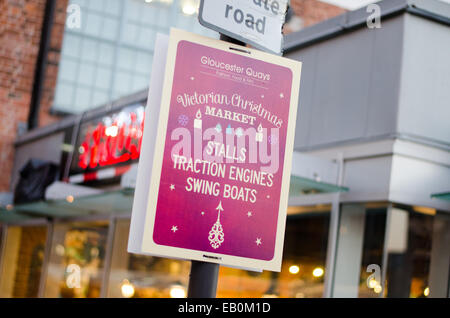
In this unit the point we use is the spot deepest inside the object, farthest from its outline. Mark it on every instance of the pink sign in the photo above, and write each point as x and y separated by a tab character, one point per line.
225	140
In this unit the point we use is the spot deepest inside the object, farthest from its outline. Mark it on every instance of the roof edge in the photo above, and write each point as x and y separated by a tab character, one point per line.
72	120
351	20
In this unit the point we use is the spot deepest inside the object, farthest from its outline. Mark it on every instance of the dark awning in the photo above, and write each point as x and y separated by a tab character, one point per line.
113	202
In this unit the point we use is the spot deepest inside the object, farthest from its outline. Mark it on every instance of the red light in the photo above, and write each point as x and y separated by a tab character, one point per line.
105	146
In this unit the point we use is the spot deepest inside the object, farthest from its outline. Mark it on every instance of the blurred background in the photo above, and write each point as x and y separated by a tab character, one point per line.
369	209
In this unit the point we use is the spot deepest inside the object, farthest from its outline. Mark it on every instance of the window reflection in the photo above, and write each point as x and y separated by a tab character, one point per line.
409	252
304	257
21	269
374	230
77	260
110	54
141	276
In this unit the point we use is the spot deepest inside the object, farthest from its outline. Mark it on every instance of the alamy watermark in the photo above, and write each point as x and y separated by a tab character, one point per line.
374	279
73	20
374	19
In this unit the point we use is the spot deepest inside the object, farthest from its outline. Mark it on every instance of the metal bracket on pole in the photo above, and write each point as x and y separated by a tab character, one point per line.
226	38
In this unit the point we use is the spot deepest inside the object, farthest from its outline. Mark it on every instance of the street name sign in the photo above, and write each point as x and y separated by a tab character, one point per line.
256	22
213	177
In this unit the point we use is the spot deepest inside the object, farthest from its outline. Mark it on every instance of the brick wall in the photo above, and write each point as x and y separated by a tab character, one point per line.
20	33
312	11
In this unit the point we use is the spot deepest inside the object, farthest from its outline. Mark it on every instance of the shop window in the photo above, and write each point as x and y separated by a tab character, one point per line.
359	251
391	251
117	35
23	256
142	276
1	238
409	252
76	262
304	258
372	251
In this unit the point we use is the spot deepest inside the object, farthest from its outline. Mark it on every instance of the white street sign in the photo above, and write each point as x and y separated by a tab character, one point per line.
256	22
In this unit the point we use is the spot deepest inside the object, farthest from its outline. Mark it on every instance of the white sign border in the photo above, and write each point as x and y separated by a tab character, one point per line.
148	245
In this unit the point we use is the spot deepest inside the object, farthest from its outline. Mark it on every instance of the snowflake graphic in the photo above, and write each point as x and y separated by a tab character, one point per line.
273	140
183	120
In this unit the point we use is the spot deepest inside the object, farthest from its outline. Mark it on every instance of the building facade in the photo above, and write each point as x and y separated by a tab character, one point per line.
367	216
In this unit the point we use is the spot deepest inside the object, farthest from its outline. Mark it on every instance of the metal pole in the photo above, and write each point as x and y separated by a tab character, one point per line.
203	277
203	280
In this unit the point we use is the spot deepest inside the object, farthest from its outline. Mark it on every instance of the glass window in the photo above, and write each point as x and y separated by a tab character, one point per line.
304	258
65	94
359	250
372	252
88	50
118	35
83	97
405	246
409	252
23	253
439	278
68	71
76	262
144	276
1	237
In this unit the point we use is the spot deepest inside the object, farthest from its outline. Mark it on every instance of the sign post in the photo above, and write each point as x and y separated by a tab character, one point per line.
256	22
203	276
203	280
221	149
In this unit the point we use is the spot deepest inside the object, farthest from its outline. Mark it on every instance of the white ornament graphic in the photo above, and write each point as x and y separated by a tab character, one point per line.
216	235
198	120
239	132
259	134
218	128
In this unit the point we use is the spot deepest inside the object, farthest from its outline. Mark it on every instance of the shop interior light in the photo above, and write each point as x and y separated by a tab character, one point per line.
373	283
177	291
318	272
112	131
294	269
269	296
426	292
60	250
127	289
378	289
